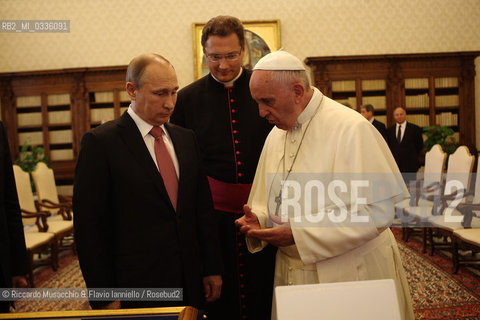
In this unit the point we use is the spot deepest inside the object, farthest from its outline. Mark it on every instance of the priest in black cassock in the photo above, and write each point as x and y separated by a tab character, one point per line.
230	132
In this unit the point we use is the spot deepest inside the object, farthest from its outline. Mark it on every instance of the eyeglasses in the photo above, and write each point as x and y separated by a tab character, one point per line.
218	57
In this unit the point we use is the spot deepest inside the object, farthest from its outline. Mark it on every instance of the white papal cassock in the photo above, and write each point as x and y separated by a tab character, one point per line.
338	144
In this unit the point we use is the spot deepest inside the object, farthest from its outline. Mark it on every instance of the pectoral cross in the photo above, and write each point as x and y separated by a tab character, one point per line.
278	201
276	218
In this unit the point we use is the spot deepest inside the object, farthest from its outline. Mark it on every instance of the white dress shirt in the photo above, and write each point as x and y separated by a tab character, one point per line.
149	140
404	126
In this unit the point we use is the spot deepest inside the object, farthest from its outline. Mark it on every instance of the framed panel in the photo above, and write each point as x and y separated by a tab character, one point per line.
261	37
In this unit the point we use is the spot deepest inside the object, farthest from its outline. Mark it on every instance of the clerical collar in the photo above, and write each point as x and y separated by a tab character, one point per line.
311	108
228	84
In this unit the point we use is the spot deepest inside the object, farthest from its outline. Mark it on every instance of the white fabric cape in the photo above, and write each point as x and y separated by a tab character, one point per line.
338	143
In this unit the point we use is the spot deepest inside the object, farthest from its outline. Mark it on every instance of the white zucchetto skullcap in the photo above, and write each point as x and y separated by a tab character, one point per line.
279	60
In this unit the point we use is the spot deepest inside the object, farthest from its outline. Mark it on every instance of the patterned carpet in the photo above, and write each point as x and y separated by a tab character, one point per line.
436	293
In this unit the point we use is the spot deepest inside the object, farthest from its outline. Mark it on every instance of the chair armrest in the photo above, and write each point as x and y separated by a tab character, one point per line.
450	197
41	221
468	206
467	210
428	192
52	205
65	199
65	210
422	192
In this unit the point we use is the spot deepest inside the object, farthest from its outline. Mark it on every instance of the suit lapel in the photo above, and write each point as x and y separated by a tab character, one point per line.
134	141
407	131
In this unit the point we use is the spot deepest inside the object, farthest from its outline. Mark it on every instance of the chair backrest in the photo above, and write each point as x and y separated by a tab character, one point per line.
434	165
44	181
476	196
24	191
460	166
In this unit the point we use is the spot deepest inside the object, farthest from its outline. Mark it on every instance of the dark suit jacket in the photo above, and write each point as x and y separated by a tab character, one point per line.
381	128
126	230
407	152
13	261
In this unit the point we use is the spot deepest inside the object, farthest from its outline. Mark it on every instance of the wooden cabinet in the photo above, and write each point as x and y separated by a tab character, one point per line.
55	108
435	89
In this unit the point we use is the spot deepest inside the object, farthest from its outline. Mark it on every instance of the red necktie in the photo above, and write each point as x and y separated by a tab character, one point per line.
165	165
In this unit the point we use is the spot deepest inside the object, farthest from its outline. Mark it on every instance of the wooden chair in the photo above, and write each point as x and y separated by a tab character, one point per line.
37	239
48	197
432	177
456	183
61	210
467	235
451	218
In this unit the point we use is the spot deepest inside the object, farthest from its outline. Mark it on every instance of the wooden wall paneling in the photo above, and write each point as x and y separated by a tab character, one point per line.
77	83
431	102
9	113
396	69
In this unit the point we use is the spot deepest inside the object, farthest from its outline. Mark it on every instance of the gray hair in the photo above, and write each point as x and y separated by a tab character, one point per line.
288	76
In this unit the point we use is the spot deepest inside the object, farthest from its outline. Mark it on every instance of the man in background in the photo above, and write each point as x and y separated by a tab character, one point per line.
313	250
368	111
406	143
221	111
143	209
14	261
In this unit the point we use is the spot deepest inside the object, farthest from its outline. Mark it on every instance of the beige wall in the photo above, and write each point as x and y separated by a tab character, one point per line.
105	33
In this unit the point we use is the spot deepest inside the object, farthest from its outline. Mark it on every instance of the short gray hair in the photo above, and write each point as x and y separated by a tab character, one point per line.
288	76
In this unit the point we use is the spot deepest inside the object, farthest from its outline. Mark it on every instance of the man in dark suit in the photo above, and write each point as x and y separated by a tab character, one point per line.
13	262
406	143
368	111
143	208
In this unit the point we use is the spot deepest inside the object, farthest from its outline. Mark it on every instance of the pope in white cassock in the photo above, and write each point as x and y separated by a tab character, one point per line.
340	233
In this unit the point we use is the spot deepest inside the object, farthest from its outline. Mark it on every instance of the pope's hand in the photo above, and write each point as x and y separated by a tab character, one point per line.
248	222
278	236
